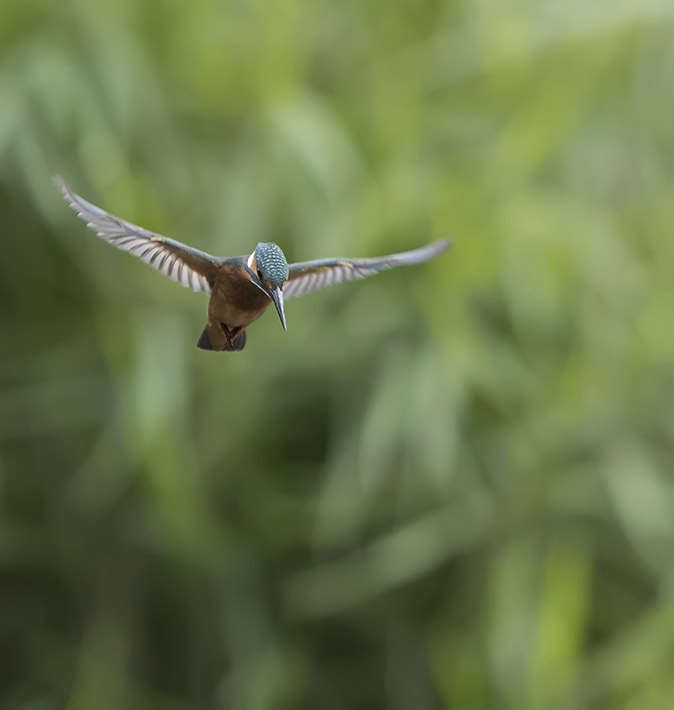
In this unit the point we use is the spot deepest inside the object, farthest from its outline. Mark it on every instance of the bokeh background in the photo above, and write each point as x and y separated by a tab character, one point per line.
449	486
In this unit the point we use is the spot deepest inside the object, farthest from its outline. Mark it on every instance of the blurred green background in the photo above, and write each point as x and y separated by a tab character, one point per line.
448	486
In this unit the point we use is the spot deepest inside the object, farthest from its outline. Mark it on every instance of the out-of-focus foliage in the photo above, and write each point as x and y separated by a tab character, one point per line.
449	486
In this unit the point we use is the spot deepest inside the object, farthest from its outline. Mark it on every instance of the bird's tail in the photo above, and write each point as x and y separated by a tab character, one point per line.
239	343
204	342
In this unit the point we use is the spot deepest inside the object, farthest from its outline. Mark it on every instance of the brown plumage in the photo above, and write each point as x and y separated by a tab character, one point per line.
241	288
234	304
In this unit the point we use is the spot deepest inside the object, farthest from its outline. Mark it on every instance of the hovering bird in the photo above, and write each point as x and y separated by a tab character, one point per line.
241	287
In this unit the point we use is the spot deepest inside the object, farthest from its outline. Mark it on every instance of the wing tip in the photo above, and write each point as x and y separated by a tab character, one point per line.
61	184
68	194
426	253
442	245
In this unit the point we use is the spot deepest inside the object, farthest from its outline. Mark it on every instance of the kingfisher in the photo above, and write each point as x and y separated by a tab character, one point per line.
240	287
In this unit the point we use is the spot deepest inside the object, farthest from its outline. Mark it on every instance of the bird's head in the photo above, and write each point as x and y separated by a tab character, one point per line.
268	270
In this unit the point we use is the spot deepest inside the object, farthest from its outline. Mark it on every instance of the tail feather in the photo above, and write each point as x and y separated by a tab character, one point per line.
238	344
204	342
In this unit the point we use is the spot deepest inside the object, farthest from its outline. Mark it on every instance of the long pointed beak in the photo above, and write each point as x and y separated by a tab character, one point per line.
277	297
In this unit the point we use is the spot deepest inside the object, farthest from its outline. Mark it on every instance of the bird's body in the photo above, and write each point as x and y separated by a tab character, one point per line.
241	288
235	303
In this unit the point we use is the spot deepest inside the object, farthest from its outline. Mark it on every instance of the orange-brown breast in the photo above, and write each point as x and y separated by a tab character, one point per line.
235	300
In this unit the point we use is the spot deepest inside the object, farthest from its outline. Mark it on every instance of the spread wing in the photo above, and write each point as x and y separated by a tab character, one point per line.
189	267
309	276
